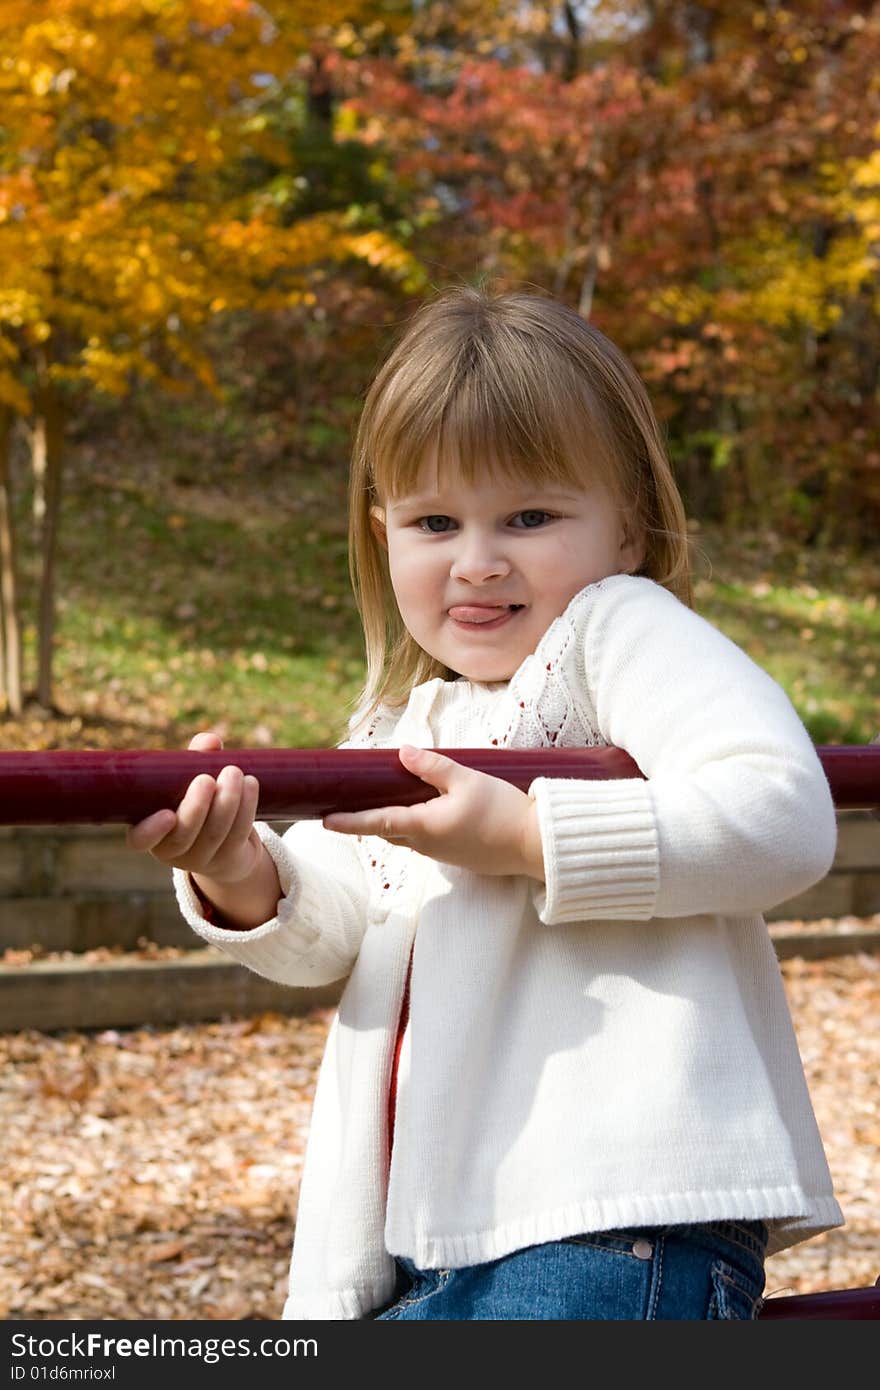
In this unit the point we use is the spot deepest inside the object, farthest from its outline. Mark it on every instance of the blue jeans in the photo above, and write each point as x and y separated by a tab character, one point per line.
694	1272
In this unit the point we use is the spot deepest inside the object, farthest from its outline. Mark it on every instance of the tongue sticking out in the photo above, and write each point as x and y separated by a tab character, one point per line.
466	614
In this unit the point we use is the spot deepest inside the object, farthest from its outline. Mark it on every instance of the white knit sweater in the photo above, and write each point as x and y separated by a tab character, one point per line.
613	1048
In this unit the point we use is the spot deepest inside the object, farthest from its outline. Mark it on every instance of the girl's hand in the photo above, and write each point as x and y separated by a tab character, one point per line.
212	831
477	822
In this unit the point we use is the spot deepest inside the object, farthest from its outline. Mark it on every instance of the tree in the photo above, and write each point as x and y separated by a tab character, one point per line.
125	224
701	179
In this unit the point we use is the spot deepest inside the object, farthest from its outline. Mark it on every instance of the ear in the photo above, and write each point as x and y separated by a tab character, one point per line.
633	548
377	524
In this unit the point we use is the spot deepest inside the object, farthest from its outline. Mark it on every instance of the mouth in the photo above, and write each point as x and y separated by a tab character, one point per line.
483	615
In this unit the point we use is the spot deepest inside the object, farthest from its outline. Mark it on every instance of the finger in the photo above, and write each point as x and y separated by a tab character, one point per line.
231	818
222	813
151	831
247	811
191	816
205	742
242	827
347	822
432	767
389	822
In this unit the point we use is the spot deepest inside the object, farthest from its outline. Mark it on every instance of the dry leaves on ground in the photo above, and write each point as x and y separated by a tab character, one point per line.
154	1173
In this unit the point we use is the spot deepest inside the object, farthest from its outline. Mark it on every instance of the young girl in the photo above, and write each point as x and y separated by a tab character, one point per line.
563	1081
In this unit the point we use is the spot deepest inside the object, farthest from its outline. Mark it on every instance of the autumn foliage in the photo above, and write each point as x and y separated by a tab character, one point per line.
702	179
127	217
703	183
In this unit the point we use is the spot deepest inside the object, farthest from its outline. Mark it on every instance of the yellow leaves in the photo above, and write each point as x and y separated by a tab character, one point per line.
778	281
866	173
683	304
374	248
382	251
109	369
153	301
13	394
118	230
238	236
787	283
40	79
20	305
861	198
304	245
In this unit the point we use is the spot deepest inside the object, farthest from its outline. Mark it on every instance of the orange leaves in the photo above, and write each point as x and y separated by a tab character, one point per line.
125	222
236	247
12	393
109	110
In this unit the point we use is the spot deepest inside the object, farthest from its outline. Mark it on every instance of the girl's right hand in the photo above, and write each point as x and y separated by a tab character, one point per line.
212	831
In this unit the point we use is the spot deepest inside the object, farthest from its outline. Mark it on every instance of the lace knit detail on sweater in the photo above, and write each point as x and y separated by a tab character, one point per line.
541	706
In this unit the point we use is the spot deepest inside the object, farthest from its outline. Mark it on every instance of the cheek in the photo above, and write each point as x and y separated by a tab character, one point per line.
571	556
600	540
580	560
411	576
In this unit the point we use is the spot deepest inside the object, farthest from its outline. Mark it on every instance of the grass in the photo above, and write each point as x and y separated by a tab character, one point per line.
186	604
809	618
211	610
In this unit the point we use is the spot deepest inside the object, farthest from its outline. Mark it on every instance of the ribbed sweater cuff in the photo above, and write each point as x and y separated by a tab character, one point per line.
297	907
600	849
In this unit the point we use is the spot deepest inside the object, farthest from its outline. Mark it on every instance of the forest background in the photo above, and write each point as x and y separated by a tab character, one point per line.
213	216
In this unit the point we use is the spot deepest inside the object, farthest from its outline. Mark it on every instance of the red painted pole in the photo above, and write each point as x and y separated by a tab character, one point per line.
105	786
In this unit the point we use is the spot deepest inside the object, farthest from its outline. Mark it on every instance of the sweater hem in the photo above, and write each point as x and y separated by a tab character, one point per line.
792	1215
335	1306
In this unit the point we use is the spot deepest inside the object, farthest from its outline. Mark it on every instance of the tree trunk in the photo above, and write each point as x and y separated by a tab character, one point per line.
320	96
38	472
9	624
48	439
572	59
595	201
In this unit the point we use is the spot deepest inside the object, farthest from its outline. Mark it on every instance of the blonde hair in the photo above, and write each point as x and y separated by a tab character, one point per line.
514	382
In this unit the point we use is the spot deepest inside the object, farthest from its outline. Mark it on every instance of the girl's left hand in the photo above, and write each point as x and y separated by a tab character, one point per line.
477	822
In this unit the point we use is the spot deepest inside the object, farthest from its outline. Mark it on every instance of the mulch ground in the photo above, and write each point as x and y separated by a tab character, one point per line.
153	1173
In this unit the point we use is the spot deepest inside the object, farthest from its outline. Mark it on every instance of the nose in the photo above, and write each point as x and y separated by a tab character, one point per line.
479	557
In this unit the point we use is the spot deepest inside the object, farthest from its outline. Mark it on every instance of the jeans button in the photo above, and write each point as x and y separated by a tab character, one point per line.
642	1249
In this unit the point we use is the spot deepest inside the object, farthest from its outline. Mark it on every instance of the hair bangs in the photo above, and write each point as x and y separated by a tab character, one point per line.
520	420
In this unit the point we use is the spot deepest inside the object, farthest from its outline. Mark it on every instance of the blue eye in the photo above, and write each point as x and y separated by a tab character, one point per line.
533	518
427	523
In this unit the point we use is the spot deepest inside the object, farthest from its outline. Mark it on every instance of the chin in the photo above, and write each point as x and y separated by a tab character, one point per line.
488	676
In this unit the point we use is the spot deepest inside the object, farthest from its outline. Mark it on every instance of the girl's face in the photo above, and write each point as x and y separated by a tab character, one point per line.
480	570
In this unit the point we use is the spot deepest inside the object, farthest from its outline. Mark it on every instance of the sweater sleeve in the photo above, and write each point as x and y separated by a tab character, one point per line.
321	917
735	815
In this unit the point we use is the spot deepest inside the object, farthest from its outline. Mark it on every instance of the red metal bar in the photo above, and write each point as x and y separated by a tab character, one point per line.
105	786
851	1305
295	783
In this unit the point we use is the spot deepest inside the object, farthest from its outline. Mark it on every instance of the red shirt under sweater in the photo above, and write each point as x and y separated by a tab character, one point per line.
395	1060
